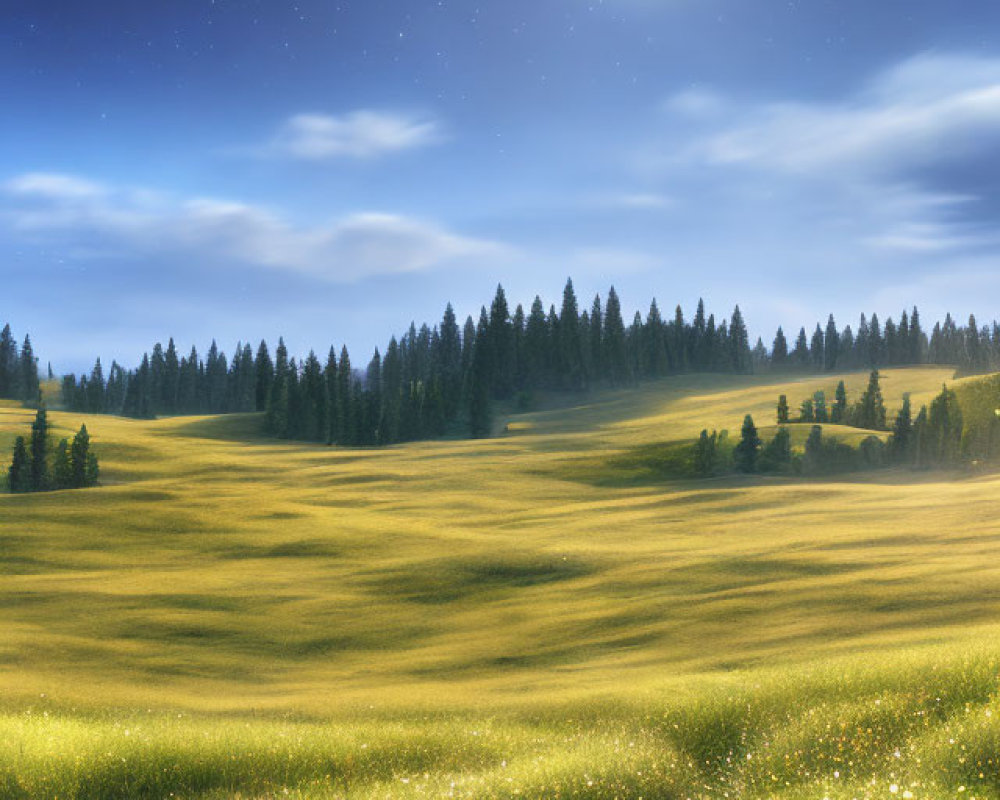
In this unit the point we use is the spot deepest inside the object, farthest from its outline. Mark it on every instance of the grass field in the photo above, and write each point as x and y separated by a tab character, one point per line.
536	615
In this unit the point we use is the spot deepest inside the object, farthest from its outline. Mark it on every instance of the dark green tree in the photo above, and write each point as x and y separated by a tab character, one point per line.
777	454
779	350
39	451
30	388
782	409
831	345
901	442
480	411
19	473
80	460
838	412
62	467
747	450
871	408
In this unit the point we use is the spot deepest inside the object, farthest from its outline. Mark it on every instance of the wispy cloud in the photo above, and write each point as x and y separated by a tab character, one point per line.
362	134
137	222
926	110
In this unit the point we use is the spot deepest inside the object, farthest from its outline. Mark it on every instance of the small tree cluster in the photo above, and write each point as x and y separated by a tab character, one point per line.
868	412
18	370
34	468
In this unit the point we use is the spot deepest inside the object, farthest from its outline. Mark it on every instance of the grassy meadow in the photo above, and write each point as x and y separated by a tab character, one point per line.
542	614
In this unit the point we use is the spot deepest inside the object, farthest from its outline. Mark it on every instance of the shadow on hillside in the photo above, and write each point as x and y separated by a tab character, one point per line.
225	427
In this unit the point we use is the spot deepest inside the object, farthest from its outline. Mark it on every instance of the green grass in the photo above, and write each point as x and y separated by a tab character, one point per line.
542	614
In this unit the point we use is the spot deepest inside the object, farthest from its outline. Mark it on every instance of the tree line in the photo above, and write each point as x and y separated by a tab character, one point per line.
447	377
35	467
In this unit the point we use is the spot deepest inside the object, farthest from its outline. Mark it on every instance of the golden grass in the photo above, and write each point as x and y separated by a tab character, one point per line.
411	594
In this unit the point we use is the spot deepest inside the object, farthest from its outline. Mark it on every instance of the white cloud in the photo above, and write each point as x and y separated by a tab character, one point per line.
347	249
54	186
360	134
924	111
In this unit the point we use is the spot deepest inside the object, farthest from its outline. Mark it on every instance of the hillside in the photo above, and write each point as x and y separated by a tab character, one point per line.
415	593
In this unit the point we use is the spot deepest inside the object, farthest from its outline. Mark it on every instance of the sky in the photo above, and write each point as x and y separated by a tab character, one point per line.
331	171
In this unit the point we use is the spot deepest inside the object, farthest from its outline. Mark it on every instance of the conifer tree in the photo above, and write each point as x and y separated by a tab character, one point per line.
568	337
779	350
901	442
345	413
944	427
739	344
8	363
480	413
871	409
748	448
500	340
30	388
806	411
39	452
19	473
816	353
838	412
80	458
450	362
62	467
615	364
782	410
831	346
800	355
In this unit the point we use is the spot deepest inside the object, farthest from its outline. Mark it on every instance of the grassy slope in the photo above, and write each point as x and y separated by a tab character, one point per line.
404	599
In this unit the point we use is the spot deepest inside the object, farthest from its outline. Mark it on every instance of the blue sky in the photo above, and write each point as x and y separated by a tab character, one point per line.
329	171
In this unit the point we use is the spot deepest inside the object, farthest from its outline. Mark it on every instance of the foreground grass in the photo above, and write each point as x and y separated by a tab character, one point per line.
229	615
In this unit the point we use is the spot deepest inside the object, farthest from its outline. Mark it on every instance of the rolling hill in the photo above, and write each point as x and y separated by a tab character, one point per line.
538	614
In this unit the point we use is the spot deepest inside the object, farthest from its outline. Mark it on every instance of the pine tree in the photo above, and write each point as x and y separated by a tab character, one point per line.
838	412
806	411
782	410
480	413
8	363
800	355
19	473
901	442
39	452
739	344
779	350
30	388
615	362
816	349
871	409
568	337
62	467
345	412
831	346
500	339
748	448
944	427
80	457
